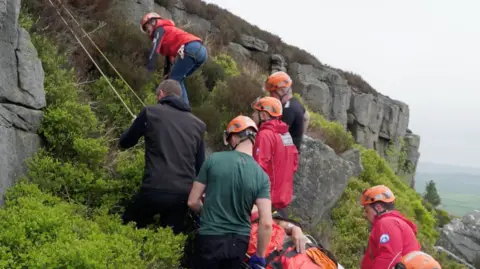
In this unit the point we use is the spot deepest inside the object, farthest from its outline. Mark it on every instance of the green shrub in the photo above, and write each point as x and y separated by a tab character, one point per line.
442	217
42	231
112	110
228	99
228	64
64	124
213	72
197	87
60	214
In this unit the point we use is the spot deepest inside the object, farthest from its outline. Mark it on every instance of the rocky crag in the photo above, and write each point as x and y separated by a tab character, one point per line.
462	237
21	96
376	121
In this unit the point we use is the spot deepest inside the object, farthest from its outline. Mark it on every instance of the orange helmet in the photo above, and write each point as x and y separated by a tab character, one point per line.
271	105
379	193
417	260
278	80
146	18
237	125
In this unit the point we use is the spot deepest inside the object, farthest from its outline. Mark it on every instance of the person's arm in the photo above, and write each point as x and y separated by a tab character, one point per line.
389	244
265	225
157	40
198	188
296	233
264	205
200	156
131	136
196	193
262	150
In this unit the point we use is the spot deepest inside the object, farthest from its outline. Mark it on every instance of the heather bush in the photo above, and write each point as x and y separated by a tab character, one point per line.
60	214
42	231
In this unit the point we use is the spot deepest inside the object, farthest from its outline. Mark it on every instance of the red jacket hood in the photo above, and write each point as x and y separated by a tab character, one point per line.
276	125
396	214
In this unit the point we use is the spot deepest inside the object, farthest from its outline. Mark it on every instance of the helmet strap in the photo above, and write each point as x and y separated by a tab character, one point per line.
245	135
284	94
378	212
260	121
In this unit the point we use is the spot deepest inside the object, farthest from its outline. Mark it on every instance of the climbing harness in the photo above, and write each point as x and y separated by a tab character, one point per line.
91	58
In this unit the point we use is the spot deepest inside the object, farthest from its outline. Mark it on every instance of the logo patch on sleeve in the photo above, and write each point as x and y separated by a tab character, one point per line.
384	238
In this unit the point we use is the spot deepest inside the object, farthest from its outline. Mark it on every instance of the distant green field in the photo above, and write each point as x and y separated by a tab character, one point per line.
460	193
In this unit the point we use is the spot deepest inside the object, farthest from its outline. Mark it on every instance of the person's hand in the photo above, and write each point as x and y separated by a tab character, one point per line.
257	262
299	239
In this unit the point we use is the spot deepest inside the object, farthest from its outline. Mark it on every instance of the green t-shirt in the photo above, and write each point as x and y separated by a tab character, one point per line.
233	182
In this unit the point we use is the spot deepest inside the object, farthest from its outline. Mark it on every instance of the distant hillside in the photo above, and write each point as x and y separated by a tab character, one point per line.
426	167
459	187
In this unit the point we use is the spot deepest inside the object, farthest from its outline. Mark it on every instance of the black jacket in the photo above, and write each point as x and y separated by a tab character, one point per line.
174	147
293	113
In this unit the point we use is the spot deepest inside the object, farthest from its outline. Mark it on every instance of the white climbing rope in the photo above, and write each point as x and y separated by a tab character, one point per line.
94	62
99	50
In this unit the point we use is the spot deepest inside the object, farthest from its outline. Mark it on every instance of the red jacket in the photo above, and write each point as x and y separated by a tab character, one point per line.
392	237
275	152
173	38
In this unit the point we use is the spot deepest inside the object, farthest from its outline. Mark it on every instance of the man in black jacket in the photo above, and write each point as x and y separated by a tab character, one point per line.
174	153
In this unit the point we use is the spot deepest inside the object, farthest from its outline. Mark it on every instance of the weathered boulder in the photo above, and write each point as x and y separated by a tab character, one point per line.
462	236
323	89
253	43
190	22
162	11
367	111
133	10
375	121
395	118
239	52
321	180
21	96
412	144
277	63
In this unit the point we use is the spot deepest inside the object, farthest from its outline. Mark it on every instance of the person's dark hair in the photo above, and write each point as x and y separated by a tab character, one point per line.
170	87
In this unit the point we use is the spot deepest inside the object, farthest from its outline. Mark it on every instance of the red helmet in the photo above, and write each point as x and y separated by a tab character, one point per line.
146	18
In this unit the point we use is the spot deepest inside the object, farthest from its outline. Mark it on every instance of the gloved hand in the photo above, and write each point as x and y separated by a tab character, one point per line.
255	262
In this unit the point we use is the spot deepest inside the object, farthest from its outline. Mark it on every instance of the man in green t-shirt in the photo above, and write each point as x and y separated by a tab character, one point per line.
232	182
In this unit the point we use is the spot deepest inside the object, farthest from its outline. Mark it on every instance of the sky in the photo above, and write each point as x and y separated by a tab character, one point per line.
425	53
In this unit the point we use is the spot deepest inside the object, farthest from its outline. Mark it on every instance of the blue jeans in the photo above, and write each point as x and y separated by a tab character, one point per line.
195	54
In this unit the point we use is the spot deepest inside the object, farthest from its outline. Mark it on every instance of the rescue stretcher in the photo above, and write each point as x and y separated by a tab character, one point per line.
195	226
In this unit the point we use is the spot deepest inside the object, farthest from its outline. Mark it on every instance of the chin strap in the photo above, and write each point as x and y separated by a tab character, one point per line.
245	135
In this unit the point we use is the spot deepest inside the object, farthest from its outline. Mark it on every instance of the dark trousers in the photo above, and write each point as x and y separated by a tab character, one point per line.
220	251
147	203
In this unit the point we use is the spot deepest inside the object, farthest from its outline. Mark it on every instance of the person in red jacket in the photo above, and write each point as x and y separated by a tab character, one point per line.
184	50
274	150
392	236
